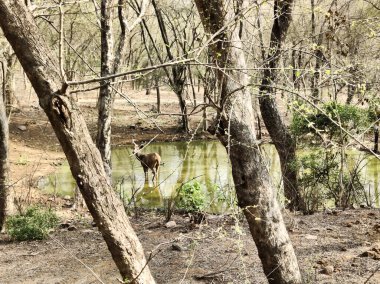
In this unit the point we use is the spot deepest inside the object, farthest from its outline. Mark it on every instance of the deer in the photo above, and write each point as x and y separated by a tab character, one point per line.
148	161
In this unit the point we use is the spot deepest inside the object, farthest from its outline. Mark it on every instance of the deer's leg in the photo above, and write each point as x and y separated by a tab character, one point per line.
157	167
154	174
146	173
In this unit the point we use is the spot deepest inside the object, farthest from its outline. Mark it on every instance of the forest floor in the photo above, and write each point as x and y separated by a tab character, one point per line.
331	246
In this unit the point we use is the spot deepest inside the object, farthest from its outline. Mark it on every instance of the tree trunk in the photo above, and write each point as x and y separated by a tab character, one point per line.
376	133
178	72
84	159
192	86
282	138
204	113
376	130
236	131
9	83
4	188
156	80
158	94
105	101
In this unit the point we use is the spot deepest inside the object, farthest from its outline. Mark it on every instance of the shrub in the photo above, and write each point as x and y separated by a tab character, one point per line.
190	197
323	179
350	117
35	224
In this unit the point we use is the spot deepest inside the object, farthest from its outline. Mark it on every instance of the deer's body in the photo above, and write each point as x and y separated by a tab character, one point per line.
148	161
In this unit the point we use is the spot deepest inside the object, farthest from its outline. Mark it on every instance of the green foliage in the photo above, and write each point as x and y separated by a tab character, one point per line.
323	177
374	109
35	224
314	170
190	197
306	120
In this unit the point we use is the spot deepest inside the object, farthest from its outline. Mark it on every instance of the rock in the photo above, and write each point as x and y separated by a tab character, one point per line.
170	224
328	211
315	229
21	127
64	225
376	227
177	247
373	252
322	262
311	237
72	228
67	197
328	269
336	212
154	225
67	204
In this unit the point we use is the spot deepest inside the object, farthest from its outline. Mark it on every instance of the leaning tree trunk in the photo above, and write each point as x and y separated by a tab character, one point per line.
283	140
4	188
236	130
84	159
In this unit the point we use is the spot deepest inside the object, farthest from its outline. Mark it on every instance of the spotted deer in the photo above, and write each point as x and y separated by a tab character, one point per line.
148	161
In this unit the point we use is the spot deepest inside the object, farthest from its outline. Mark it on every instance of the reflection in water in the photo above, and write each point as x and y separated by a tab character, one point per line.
203	161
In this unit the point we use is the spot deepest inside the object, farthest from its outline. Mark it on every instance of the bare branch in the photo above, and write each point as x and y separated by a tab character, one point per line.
183	61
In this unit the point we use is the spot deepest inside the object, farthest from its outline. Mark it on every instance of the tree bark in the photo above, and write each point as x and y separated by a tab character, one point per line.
84	159
105	101
158	94
9	82
283	140
4	169
376	130
236	131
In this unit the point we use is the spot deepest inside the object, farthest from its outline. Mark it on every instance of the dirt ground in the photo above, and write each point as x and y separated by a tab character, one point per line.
331	246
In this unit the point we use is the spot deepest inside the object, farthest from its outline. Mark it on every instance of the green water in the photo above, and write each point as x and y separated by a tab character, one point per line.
203	161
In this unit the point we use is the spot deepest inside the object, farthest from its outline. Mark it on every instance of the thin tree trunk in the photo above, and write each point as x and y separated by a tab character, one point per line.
4	188
236	131
158	94
315	78
283	140
376	133
84	159
192	86
9	83
178	72
105	101
350	93
376	130
157	86
204	114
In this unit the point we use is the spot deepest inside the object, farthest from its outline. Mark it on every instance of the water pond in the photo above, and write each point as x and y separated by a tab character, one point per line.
203	162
